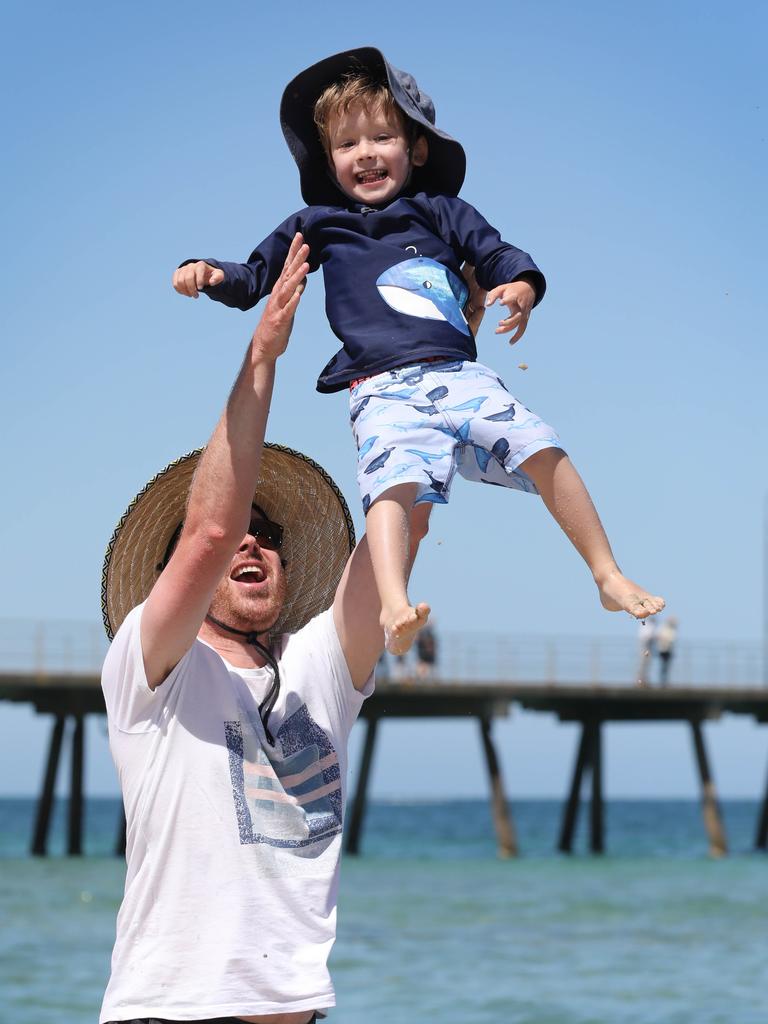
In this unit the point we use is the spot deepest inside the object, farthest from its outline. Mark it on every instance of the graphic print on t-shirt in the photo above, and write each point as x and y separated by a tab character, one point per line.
293	798
425	289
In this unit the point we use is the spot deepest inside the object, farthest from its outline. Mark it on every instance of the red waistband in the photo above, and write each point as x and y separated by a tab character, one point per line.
411	362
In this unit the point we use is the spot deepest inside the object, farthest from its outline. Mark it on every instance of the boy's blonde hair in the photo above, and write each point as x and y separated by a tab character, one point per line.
353	90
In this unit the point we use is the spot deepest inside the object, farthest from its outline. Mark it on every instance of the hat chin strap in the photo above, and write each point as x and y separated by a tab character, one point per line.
252	638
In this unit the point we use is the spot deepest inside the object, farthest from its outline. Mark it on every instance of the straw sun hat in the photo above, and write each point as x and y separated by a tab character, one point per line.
292	489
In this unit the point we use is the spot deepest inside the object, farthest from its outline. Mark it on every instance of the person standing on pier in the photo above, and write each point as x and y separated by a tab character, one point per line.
666	638
646	638
245	639
426	652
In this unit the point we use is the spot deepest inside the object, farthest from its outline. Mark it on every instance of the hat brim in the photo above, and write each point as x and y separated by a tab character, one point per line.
442	174
292	489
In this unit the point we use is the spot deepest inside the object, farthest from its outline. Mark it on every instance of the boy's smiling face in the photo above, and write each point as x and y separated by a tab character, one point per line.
369	153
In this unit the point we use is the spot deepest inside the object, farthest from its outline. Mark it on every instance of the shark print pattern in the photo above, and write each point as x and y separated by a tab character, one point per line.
362	402
425	422
505	414
425	289
424	456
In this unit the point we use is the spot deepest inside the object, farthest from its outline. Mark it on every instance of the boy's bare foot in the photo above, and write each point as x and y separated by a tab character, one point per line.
401	626
618	594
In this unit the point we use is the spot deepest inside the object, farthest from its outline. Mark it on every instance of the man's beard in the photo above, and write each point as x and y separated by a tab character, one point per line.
249	614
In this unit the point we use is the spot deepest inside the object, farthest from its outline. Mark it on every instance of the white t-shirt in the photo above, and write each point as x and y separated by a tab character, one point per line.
232	846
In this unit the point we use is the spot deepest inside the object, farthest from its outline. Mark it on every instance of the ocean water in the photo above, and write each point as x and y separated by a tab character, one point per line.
433	927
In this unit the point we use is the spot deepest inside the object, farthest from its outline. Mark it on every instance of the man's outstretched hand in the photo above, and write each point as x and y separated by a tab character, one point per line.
270	339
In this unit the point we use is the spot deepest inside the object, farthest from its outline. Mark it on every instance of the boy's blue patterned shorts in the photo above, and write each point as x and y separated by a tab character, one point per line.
421	423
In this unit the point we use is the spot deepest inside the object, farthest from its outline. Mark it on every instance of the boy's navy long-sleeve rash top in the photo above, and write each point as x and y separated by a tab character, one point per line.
358	248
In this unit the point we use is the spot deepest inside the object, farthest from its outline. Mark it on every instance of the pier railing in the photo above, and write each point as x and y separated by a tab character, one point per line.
38	648
561	659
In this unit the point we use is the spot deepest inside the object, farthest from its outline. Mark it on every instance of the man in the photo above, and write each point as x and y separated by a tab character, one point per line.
646	637
426	652
666	638
231	748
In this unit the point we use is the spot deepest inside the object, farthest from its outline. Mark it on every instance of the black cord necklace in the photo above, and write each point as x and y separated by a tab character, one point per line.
252	638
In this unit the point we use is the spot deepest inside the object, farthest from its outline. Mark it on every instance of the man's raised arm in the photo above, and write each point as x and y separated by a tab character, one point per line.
222	490
356	611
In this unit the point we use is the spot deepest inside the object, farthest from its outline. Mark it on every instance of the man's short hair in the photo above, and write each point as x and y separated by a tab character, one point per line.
359	89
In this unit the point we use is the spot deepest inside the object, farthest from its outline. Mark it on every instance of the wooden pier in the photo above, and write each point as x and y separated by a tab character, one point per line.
69	697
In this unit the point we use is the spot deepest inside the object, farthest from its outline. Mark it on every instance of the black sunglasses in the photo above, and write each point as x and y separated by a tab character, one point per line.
267	534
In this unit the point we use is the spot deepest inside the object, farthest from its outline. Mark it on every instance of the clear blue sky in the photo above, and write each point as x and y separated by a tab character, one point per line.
624	146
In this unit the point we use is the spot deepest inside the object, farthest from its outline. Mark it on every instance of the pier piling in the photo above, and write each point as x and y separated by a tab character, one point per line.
361	793
122	828
75	822
761	839
47	793
713	821
596	816
502	819
589	758
571	811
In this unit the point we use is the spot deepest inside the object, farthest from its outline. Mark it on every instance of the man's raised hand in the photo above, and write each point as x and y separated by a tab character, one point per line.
270	339
192	278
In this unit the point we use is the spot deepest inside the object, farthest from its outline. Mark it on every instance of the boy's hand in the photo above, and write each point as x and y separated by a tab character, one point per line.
189	280
518	297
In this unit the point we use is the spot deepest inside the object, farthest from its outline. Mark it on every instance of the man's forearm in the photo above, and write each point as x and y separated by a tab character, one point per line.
223	488
225	480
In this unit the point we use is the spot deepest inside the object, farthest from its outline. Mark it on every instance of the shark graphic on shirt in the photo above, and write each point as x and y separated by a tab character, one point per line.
425	289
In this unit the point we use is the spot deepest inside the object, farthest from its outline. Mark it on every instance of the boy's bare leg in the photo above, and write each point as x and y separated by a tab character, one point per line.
566	497
419	528
387	527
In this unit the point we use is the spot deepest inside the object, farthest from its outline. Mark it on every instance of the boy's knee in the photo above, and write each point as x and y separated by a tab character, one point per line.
420	522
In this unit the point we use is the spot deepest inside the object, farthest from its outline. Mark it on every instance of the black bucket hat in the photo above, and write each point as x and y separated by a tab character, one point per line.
446	164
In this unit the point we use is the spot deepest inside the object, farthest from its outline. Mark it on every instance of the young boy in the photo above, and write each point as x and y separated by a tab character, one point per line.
384	221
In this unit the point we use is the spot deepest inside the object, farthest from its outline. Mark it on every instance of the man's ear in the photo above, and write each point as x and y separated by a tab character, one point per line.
420	151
